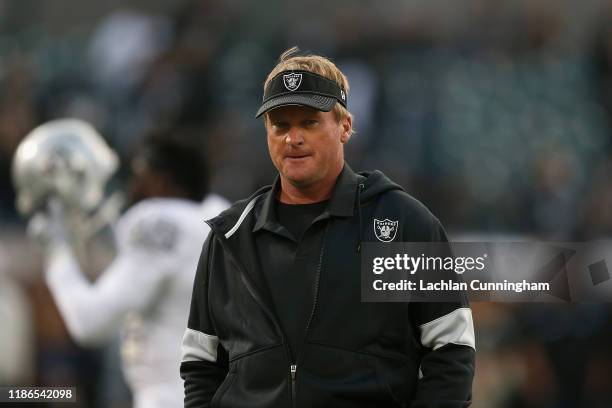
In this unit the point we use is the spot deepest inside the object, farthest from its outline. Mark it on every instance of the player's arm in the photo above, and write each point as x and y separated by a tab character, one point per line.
204	362
93	311
446	333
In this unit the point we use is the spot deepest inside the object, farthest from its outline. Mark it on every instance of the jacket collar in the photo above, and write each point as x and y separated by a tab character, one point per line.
341	203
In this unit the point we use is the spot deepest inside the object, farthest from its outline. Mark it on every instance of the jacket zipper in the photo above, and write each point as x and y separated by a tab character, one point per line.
293	369
294	366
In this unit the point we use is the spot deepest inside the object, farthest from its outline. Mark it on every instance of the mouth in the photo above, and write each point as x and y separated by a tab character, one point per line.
297	157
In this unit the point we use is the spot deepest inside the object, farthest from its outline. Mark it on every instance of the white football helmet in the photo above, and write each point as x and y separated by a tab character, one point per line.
64	159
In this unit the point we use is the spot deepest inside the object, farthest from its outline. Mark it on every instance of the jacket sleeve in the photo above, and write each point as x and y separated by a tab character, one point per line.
446	333
204	363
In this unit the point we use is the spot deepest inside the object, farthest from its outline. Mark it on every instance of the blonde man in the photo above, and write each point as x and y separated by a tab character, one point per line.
276	317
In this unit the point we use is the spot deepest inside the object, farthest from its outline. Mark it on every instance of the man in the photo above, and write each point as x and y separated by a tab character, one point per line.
146	288
276	318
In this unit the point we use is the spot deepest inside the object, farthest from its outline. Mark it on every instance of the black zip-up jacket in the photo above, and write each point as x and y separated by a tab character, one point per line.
418	355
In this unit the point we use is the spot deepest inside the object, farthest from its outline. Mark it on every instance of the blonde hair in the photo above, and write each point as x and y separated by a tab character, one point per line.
288	60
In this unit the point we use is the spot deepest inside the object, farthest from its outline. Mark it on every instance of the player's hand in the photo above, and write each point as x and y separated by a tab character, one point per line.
49	228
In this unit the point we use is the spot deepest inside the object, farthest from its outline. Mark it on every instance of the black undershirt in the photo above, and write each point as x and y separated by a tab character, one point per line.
290	270
298	217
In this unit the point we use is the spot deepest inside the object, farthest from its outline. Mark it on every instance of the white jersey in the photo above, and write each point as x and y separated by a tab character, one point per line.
144	294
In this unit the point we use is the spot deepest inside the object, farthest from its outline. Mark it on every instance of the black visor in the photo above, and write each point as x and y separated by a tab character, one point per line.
301	88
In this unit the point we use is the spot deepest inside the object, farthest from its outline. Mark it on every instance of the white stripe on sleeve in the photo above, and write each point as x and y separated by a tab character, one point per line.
456	327
198	346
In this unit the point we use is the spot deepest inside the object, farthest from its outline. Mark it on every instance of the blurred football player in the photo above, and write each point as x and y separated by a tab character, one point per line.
60	171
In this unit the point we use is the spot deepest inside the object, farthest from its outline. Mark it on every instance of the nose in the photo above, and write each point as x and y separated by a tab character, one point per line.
294	136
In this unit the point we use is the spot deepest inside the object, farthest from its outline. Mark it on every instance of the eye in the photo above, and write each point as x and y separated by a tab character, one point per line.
311	122
279	125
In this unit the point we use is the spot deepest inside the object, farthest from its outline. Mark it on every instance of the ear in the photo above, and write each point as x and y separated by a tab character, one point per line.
346	126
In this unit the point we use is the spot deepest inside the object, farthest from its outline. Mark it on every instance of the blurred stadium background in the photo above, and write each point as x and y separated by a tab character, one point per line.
496	114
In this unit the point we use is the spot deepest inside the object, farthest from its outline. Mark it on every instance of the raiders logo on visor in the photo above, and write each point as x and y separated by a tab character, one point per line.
292	81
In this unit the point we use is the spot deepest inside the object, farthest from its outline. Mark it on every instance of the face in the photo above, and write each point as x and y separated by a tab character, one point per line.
144	182
306	145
